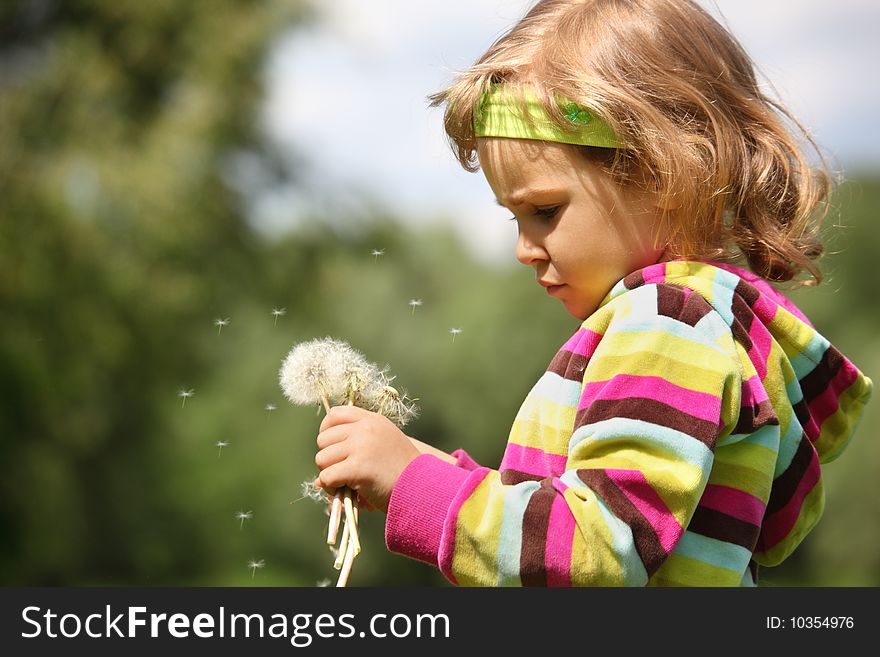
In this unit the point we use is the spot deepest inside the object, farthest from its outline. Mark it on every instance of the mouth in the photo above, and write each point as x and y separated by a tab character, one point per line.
552	288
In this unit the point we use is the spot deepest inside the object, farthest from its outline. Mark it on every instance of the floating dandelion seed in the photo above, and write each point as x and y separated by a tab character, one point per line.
220	444
243	515
269	408
253	565
323	583
377	253
278	312
454	332
184	394
220	323
415	303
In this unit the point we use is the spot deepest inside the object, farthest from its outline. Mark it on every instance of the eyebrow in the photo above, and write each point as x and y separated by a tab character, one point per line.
518	197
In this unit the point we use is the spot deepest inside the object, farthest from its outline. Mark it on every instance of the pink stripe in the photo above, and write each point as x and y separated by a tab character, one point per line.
582	343
826	404
778	526
624	386
638	491
447	546
753	392
765	309
533	461
733	502
560	535
760	351
655	273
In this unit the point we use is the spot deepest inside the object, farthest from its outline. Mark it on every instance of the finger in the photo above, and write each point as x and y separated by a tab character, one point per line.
333	435
342	415
337	475
329	455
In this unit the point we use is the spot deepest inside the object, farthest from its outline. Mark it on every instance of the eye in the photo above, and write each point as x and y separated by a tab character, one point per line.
547	213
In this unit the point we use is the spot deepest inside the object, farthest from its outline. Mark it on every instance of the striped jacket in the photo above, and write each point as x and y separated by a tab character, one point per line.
675	439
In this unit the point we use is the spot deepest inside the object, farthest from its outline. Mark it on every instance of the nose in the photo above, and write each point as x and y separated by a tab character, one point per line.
528	250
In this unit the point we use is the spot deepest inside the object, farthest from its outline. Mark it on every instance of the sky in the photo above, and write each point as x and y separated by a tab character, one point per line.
347	99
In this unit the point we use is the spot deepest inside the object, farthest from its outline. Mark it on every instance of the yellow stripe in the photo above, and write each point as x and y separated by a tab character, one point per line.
477	534
593	563
742	478
679	570
685	375
678	484
547	412
531	433
836	430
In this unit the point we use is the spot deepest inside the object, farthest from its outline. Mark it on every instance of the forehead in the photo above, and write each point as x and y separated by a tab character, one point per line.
513	164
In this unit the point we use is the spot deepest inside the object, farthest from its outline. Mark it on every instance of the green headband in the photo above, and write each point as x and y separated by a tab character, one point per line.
500	114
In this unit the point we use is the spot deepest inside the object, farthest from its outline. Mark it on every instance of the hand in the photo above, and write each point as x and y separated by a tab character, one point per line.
364	451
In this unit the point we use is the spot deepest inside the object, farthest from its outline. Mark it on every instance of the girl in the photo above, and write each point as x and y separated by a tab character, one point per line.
676	438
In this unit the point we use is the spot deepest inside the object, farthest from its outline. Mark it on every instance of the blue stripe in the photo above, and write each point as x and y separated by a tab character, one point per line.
714	552
507	557
636	433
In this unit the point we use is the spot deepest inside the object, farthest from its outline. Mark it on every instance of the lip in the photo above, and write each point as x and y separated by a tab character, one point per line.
551	287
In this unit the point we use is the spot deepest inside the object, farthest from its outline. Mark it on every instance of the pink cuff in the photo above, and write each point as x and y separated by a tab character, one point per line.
418	507
464	460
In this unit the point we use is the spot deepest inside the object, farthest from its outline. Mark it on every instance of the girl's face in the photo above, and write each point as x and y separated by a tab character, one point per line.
581	231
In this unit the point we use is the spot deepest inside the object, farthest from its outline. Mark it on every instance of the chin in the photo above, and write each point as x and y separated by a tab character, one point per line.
577	311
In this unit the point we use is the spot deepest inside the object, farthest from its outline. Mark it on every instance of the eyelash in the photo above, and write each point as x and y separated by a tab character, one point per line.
544	213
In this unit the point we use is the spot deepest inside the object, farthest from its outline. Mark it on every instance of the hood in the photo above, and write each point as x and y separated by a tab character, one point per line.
817	402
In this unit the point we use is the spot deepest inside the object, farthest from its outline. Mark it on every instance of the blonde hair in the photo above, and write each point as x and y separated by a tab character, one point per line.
681	94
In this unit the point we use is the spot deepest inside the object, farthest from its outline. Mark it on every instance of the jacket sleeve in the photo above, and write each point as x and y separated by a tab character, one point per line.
657	392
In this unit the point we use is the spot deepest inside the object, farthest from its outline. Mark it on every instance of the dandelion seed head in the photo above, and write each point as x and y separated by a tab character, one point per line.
221	444
312	492
387	400
186	393
378	252
324	368
221	322
244	515
270	407
415	302
455	331
278	312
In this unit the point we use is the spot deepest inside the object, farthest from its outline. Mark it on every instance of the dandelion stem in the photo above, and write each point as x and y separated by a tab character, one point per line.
347	561
350	519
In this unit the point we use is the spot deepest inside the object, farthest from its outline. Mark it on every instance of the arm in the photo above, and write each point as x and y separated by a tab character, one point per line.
424	448
655	396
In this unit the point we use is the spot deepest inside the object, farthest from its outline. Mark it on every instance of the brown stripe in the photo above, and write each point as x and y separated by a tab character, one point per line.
513	477
649	410
743	312
742	320
670	300
815	383
568	365
786	484
646	541
536	520
695	309
752	418
801	412
719	525
747	291
634	280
